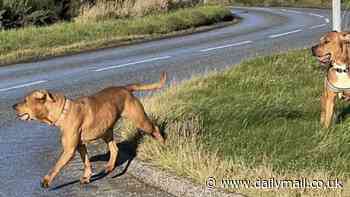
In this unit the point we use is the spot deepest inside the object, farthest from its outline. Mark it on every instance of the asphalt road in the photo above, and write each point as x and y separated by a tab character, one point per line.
28	150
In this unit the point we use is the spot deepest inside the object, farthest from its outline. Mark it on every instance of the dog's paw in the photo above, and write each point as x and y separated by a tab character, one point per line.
45	183
109	168
158	137
84	180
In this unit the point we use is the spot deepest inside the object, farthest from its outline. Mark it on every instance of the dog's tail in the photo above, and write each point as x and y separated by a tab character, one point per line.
151	86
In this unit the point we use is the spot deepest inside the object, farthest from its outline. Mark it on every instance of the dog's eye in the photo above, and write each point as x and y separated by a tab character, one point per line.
326	41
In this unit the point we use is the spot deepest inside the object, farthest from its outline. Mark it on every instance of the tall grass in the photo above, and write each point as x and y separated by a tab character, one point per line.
104	9
257	120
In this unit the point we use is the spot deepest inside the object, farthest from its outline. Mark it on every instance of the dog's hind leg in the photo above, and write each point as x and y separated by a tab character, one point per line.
136	113
87	165
113	149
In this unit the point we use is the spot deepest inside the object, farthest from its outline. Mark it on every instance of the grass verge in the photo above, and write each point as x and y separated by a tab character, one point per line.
38	42
258	120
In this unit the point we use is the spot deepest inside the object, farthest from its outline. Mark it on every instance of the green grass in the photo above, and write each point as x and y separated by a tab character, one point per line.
36	42
258	119
268	107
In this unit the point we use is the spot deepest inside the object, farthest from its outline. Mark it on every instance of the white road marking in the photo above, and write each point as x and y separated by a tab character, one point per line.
226	46
284	34
327	20
22	85
133	63
318	15
292	11
318	26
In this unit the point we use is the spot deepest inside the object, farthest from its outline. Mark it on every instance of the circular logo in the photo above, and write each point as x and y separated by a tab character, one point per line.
211	182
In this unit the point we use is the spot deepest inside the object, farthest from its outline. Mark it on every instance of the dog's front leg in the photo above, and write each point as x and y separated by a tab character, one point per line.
328	104
323	108
87	166
69	143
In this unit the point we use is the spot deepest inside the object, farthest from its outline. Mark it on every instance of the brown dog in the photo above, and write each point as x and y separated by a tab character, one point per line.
86	119
334	51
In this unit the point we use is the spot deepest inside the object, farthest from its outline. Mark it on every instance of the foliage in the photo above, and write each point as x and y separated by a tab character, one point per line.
20	13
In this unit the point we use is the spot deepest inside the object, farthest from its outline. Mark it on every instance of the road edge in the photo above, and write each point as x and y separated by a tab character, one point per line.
175	185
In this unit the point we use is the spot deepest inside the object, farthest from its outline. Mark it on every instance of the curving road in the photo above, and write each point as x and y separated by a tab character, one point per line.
28	150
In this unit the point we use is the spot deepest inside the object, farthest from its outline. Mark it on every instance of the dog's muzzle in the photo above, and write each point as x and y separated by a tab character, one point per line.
326	59
24	116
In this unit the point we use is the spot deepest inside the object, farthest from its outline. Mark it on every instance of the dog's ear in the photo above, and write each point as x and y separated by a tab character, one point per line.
346	37
50	97
43	95
39	94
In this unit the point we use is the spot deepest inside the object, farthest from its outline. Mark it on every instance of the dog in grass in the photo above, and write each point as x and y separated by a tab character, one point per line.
333	51
86	119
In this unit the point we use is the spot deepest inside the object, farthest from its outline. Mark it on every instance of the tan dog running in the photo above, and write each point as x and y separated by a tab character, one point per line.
86	119
334	51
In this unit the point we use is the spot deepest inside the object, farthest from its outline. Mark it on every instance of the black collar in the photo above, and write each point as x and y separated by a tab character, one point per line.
340	70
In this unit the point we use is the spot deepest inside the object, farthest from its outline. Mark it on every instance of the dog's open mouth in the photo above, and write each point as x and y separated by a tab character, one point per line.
24	116
325	59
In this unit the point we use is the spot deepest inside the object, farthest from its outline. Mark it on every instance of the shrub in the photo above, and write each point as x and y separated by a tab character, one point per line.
19	13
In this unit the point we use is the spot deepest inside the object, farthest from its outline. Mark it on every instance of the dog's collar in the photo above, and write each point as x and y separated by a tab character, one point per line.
334	88
340	68
63	112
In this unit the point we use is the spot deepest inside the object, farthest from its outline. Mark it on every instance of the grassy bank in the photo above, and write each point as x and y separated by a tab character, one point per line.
37	42
259	119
